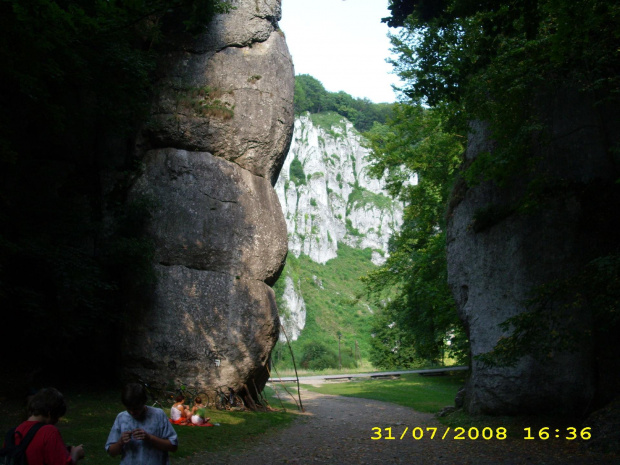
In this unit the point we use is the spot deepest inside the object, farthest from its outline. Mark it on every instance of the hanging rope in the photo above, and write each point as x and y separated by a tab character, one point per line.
294	366
275	389
288	392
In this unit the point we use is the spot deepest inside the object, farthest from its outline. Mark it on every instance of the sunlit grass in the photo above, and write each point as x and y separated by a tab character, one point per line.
334	301
424	394
283	398
364	367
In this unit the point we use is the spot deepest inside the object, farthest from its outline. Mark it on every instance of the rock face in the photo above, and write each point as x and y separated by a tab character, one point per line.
230	92
213	215
220	129
336	201
328	198
293	316
204	328
493	270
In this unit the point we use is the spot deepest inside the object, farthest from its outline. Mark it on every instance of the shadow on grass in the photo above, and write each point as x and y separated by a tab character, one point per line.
91	415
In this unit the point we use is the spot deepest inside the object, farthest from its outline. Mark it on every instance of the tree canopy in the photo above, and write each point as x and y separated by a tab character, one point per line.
311	96
497	61
418	158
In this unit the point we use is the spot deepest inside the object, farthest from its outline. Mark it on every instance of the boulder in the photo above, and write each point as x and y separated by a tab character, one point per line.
203	328
210	214
249	22
220	128
236	103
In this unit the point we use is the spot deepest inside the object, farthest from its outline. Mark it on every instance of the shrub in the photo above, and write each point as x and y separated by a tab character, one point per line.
317	356
296	172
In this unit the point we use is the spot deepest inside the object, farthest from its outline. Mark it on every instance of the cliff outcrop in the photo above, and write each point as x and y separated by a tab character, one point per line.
328	198
496	266
327	194
220	129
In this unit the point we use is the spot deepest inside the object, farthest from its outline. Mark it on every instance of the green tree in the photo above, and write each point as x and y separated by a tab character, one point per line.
311	96
496	62
420	313
503	63
296	172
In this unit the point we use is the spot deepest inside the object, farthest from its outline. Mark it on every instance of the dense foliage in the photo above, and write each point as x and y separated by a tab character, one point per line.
311	96
505	63
419	322
75	85
500	61
296	172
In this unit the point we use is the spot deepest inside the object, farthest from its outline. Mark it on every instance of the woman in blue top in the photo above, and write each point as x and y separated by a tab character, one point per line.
141	434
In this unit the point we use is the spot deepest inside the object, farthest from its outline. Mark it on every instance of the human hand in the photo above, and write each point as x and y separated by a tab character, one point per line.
77	452
139	434
126	437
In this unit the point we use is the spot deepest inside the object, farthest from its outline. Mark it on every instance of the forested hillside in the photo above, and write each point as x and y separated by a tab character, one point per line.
311	96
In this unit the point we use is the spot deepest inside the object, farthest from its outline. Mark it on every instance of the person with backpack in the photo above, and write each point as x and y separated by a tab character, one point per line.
37	441
142	435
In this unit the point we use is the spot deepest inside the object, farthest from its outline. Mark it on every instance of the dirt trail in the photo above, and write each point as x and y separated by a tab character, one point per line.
338	430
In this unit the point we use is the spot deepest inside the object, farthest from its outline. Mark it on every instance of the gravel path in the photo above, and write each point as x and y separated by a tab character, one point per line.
338	430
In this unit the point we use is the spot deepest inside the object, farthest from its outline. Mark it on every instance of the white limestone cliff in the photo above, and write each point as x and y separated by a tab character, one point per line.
293	315
339	202
328	198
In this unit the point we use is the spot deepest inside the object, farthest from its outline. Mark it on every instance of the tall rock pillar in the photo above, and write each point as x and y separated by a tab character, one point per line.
220	129
495	267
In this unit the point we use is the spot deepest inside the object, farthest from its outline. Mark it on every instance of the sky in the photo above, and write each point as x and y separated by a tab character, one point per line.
343	44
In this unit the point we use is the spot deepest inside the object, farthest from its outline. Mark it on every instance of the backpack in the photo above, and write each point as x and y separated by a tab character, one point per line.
12	454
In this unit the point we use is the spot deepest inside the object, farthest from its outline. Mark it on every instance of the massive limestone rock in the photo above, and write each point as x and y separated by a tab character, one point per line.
494	268
230	92
220	129
204	328
213	215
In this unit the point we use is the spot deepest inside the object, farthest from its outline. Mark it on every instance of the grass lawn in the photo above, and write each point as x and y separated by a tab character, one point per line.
422	393
364	367
91	415
432	394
